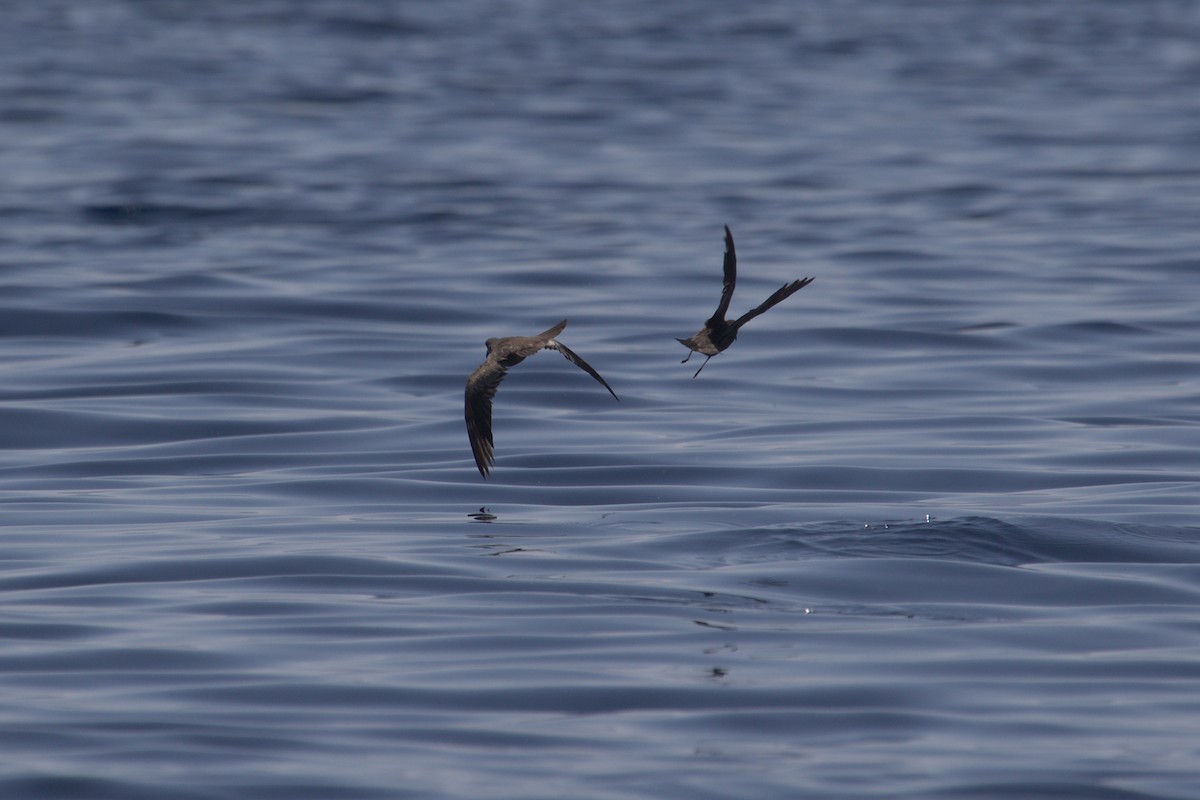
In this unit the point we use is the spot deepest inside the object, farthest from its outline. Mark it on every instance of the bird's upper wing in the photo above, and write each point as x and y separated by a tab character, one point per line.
730	268
481	388
549	334
570	355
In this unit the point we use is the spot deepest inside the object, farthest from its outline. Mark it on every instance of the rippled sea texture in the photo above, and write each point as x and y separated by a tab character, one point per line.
928	529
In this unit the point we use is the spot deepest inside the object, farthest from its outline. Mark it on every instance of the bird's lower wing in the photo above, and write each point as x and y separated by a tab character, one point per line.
781	294
481	388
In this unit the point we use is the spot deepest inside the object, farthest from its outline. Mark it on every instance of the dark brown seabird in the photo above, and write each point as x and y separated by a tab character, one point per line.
481	386
718	333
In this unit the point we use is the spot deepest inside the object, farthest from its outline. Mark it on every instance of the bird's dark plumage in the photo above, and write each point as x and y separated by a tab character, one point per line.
503	353
718	333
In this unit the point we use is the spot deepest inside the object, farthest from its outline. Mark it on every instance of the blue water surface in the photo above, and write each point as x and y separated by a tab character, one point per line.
929	529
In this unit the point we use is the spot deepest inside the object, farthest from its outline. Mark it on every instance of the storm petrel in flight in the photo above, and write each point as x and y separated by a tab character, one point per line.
481	386
718	333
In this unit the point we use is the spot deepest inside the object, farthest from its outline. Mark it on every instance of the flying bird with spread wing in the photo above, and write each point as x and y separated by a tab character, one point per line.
503	353
718	333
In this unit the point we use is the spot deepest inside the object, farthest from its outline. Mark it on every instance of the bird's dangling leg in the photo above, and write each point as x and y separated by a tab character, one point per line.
685	360
702	366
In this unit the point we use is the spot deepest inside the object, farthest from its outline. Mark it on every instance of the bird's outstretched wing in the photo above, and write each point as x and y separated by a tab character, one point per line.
481	388
730	268
781	294
570	355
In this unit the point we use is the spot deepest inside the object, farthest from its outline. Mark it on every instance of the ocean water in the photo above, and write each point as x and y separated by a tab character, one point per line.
929	529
